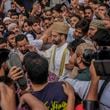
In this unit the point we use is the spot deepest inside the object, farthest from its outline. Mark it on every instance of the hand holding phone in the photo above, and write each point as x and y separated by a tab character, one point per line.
15	73
16	70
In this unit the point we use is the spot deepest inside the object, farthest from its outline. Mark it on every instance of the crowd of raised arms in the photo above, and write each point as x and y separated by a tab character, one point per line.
54	54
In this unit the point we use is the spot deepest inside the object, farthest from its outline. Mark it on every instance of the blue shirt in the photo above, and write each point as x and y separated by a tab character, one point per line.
70	37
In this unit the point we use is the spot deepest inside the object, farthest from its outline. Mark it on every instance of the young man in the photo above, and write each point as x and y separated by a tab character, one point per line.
22	43
7	93
73	21
11	40
88	13
81	29
51	94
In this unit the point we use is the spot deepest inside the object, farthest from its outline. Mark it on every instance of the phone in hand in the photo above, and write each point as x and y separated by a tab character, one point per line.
14	60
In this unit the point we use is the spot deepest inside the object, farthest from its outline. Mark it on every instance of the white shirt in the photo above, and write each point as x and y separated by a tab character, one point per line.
82	87
35	42
54	67
58	58
7	5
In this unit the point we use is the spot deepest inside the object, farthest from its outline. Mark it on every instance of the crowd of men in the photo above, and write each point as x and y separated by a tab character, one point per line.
47	55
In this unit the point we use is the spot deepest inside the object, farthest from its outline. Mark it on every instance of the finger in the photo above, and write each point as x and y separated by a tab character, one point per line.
21	103
17	77
14	68
16	74
64	86
15	71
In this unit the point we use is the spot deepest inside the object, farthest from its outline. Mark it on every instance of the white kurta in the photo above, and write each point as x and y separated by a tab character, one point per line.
54	66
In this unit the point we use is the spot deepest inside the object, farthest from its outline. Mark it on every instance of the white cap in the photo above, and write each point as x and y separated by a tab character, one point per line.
6	19
11	26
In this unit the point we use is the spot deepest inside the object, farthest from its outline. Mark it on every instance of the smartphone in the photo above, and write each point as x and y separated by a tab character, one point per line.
14	60
102	67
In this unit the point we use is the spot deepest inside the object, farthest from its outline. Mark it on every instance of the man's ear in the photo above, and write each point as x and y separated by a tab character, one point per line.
79	59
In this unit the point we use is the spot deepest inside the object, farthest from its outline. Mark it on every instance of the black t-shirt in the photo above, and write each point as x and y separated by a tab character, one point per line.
53	96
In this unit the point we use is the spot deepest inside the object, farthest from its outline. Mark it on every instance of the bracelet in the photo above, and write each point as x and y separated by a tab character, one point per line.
90	105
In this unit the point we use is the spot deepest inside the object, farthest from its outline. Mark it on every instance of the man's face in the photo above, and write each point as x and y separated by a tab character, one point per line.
102	11
88	14
73	60
36	27
37	8
16	30
92	31
48	14
74	20
11	40
56	38
7	23
55	14
77	33
26	27
22	46
81	13
74	3
47	23
14	17
13	6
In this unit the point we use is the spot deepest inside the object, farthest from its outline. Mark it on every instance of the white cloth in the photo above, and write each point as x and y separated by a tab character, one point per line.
54	68
54	2
70	35
7	5
35	42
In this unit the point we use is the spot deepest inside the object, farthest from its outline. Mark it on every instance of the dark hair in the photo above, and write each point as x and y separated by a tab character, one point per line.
88	8
2	40
81	8
14	13
104	5
12	3
35	20
94	1
9	33
29	21
20	37
3	55
83	25
102	37
36	67
73	45
75	15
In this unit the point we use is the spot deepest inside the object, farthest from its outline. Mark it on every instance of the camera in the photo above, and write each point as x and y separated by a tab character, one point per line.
102	60
102	54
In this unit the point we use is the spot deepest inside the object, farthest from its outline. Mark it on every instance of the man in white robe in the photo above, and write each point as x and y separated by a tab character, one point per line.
58	55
